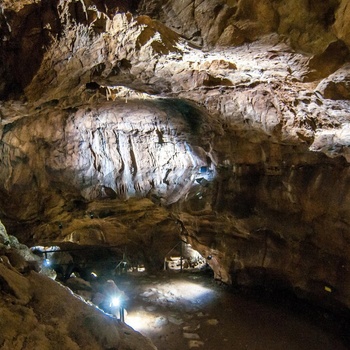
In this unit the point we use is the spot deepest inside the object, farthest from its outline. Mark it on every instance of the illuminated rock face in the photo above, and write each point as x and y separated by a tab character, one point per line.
242	151
114	150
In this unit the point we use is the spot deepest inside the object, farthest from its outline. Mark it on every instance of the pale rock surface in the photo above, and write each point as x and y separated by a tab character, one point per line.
17	5
3	234
337	85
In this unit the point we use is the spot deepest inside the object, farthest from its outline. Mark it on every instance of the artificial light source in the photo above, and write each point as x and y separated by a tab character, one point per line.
117	307
47	262
115	301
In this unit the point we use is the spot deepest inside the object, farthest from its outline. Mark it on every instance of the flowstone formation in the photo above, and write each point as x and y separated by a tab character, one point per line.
225	123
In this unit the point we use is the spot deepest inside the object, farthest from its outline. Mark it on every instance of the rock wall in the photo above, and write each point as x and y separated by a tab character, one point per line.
310	26
242	149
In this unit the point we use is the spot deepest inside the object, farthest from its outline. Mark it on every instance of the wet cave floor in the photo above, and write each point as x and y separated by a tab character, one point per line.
180	311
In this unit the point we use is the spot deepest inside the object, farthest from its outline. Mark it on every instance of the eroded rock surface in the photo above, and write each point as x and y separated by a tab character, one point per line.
243	149
310	26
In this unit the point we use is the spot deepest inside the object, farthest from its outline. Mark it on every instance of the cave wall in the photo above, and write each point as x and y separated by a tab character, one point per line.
264	216
310	26
223	122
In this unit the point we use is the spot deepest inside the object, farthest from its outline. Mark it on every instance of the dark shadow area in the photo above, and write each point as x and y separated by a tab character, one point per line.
335	321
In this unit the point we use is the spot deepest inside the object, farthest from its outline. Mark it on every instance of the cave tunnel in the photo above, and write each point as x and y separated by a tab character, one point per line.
174	175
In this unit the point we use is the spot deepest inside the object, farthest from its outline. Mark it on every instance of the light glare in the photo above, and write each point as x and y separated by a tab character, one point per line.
179	292
141	320
115	302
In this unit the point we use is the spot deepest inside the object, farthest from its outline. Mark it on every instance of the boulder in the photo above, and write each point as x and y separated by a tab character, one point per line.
337	85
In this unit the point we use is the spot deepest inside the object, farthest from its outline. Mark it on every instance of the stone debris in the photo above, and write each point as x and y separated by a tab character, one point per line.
160	321
151	308
195	344
191	336
174	320
191	328
147	294
213	322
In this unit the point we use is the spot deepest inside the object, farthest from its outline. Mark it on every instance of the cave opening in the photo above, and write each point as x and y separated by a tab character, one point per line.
90	262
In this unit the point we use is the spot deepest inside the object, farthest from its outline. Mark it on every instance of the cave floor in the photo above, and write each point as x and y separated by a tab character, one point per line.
180	311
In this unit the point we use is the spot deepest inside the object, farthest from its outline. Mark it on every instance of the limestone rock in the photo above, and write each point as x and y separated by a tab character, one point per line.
22	262
231	36
324	64
15	255
226	22
4	238
337	85
341	24
14	284
78	284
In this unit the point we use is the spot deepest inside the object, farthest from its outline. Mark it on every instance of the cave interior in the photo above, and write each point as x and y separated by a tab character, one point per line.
191	158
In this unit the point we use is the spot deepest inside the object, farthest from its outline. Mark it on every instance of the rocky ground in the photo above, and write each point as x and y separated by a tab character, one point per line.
190	311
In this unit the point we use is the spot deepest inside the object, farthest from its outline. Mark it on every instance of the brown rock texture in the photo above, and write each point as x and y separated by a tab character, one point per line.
225	123
310	26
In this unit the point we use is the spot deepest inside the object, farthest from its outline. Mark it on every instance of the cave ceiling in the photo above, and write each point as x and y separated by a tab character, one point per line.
225	123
